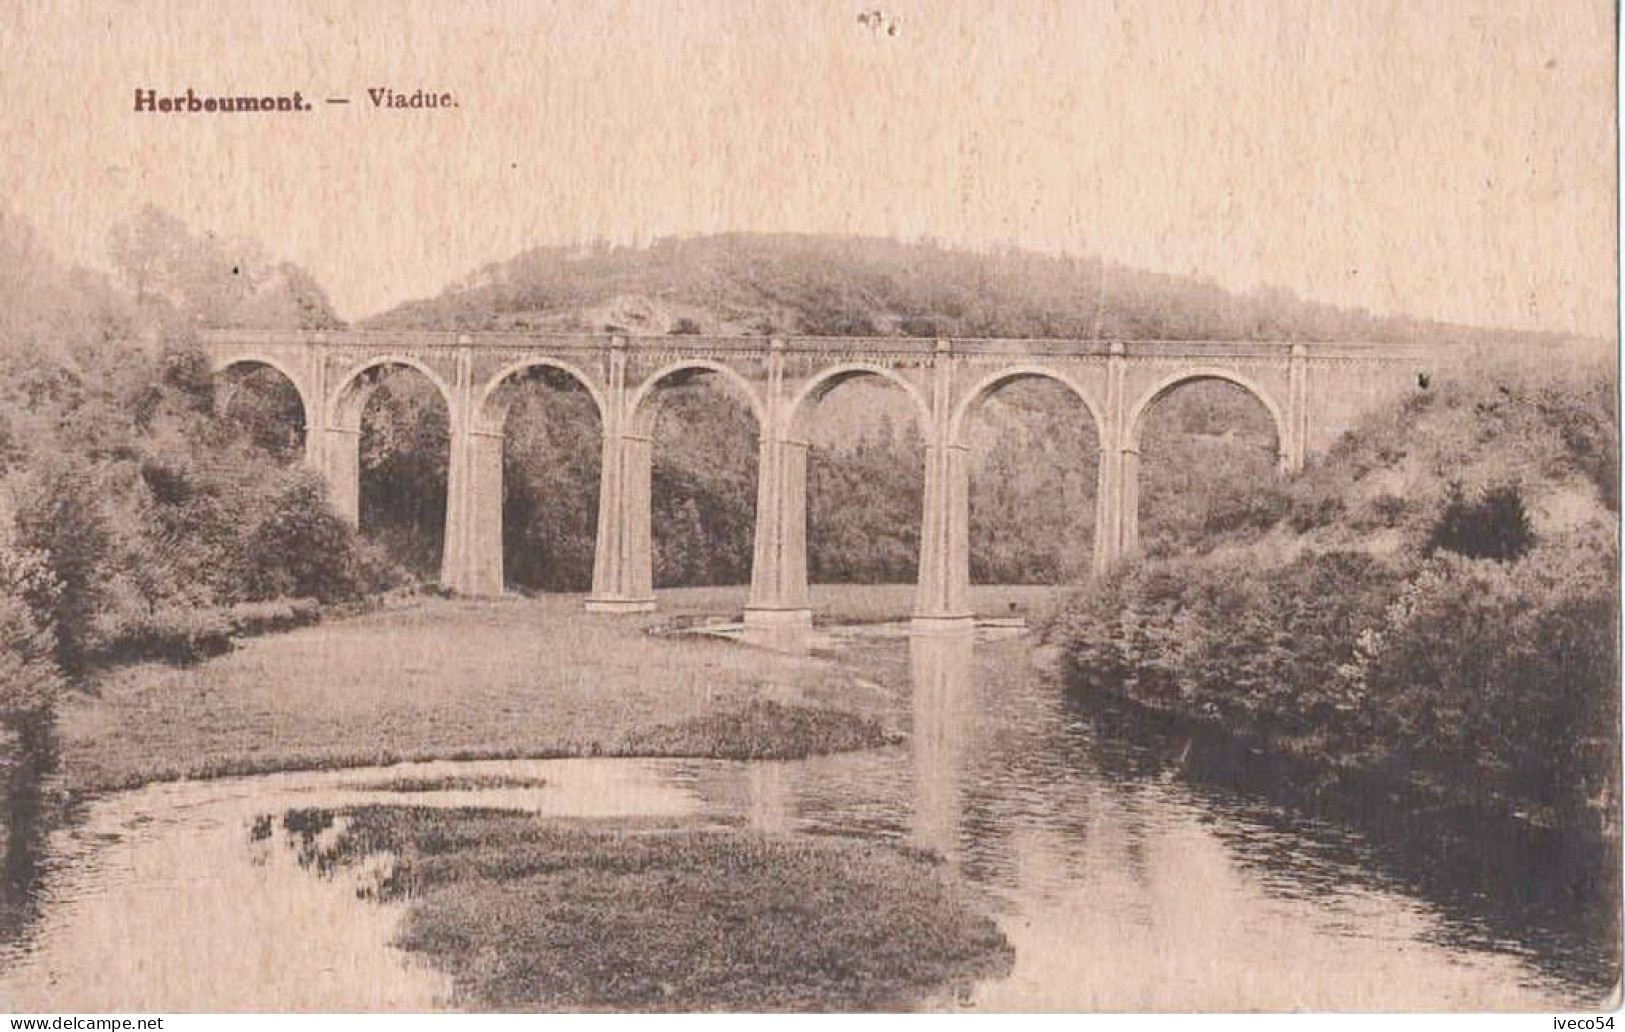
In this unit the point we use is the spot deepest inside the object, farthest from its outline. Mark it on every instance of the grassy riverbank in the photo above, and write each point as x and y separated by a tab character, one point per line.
466	679
461	679
527	914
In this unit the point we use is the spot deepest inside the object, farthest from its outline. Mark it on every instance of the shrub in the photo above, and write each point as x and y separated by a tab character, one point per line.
29	680
377	572
1246	509
1387	510
61	519
1489	680
302	548
283	614
1491	526
1505	673
188	634
186	370
1218	639
172	633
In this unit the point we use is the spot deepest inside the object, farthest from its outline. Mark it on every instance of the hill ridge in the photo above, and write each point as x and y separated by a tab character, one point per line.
806	284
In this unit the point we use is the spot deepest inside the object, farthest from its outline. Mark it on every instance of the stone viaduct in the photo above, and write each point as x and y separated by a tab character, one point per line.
1311	391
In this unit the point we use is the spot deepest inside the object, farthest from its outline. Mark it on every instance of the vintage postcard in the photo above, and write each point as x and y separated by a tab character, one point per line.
809	505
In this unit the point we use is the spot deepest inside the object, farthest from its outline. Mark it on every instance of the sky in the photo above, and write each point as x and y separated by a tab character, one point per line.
1451	160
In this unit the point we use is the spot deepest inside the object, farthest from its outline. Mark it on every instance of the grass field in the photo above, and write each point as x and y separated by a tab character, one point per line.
441	678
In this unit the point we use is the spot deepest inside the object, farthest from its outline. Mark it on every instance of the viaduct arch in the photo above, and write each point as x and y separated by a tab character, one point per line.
226	390
342	426
958	431
1134	427
1312	391
474	566
623	563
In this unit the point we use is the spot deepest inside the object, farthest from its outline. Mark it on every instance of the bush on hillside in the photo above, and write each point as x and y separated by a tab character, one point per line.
1485	680
1221	640
1493	525
153	515
144	514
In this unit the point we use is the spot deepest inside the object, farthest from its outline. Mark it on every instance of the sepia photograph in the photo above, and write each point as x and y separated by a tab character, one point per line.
808	506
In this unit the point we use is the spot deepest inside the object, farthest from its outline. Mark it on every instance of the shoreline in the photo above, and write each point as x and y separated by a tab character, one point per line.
1548	868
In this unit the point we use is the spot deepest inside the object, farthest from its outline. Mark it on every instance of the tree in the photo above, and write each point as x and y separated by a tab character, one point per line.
62	519
302	549
204	280
150	251
29	680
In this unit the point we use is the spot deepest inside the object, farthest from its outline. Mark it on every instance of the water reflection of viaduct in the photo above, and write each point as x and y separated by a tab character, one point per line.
1311	392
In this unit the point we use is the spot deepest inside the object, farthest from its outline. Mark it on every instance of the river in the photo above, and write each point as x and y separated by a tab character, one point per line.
1124	882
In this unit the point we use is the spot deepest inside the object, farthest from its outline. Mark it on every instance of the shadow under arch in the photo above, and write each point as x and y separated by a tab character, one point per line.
1139	416
421	515
231	380
525	536
805	402
702	490
491	408
961	421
